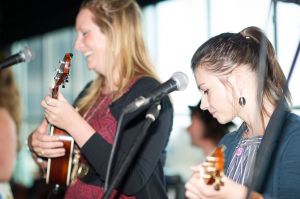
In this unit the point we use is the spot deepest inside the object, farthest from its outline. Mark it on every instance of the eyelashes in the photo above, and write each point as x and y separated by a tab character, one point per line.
85	33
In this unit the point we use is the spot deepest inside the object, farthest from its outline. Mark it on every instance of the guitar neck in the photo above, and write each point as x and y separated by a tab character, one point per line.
54	93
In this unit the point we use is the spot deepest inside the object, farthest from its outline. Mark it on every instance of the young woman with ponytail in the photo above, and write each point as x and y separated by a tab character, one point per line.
232	83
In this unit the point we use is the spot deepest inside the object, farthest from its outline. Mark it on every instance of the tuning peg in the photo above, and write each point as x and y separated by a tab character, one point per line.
59	71
62	62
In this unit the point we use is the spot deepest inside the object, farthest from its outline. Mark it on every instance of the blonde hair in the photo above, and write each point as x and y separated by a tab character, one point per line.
120	21
10	96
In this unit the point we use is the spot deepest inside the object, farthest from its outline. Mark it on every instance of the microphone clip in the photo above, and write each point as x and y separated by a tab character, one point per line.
138	102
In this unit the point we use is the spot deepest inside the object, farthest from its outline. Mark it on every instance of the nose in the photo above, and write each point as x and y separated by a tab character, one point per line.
204	103
188	129
77	44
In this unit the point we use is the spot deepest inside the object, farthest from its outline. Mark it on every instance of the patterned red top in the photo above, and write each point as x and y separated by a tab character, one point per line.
101	119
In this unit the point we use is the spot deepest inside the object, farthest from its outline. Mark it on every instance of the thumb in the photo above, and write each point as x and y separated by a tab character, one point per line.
61	97
196	168
43	126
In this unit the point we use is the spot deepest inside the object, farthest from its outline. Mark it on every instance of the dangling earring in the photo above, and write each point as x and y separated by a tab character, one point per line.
242	101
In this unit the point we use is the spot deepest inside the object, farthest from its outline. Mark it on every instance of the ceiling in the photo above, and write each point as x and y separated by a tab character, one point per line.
26	18
23	19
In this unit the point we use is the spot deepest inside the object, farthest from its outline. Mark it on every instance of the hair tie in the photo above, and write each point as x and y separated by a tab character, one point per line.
245	36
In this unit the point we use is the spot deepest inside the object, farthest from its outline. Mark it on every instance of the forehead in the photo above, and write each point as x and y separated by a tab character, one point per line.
84	18
203	76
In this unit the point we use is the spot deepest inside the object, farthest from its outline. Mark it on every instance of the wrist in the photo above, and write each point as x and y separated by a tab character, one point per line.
81	132
28	144
255	195
234	189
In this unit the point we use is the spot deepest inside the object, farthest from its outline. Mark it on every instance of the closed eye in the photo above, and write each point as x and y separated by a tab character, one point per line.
85	33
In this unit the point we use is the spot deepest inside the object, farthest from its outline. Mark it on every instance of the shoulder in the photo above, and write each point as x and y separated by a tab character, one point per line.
141	87
83	92
228	138
144	84
292	128
231	137
230	141
290	139
293	120
292	125
288	154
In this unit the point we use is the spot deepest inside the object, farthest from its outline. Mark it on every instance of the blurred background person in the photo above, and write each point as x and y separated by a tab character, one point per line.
205	131
10	119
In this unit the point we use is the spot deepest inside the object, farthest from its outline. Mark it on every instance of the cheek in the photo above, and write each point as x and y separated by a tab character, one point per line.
227	112
200	129
222	98
223	104
230	103
197	129
215	101
88	41
192	129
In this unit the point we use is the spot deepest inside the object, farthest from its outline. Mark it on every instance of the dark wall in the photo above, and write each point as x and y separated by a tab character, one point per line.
26	18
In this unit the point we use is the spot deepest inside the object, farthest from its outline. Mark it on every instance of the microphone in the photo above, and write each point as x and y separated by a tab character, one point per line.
178	81
25	55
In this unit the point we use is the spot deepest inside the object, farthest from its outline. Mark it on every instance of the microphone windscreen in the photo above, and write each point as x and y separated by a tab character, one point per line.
181	80
27	54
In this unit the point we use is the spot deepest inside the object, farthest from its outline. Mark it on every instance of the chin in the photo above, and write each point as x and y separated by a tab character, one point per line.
221	120
90	66
193	144
224	120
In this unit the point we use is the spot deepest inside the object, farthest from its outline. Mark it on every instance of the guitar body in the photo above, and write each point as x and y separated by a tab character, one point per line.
59	169
214	168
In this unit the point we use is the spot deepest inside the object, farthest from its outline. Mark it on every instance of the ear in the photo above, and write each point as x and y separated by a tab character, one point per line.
236	80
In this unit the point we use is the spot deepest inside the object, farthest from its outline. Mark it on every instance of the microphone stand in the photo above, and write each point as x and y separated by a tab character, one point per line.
151	116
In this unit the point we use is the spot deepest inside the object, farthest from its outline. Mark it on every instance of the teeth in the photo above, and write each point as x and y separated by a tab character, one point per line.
87	54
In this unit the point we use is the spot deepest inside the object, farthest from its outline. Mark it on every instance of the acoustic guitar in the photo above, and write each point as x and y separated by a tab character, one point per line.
214	168
59	169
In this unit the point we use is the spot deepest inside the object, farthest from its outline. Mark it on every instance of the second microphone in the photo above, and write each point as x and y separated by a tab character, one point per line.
178	81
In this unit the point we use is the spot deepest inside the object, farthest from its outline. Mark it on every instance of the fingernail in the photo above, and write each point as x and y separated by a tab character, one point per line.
39	160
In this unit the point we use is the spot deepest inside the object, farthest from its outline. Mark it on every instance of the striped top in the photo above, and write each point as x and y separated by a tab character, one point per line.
242	159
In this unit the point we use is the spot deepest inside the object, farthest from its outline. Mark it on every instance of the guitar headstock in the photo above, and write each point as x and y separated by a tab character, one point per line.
62	74
214	168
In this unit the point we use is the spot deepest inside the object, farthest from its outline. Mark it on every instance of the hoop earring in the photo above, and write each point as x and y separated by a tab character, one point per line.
242	101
